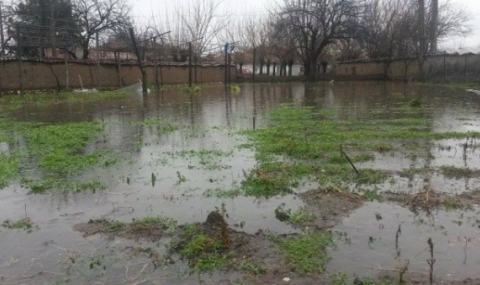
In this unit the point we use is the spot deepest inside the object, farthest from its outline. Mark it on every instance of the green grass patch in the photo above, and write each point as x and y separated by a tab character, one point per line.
456	172
9	166
301	143
203	252
306	253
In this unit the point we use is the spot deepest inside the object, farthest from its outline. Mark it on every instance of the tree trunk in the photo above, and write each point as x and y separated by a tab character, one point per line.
85	50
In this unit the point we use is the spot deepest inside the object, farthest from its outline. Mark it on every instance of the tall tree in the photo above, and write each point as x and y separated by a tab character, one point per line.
97	16
314	24
40	24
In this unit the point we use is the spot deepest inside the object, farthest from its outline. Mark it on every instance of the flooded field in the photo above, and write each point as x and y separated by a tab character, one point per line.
368	182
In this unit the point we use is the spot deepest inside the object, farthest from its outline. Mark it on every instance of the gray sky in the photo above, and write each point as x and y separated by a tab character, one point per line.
143	10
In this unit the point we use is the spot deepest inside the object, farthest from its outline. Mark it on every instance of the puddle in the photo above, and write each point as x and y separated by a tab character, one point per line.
369	246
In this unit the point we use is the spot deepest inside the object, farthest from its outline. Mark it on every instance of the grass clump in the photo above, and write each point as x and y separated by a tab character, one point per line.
193	89
203	252
42	186
223	193
23	224
306	253
301	217
456	172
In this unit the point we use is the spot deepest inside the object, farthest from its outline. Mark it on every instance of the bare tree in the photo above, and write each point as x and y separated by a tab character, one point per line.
314	24
201	23
96	16
399	28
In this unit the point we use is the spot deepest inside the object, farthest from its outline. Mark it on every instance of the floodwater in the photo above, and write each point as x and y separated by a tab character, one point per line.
211	120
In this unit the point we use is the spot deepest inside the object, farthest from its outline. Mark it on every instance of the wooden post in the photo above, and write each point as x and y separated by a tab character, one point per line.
20	60
119	68
254	56
67	73
226	63
189	64
99	84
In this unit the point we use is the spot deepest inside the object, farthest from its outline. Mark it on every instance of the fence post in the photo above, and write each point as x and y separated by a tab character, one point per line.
465	75
67	73
20	60
445	66
99	84
254	56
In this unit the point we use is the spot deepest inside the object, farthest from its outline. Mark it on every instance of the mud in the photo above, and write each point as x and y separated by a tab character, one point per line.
330	206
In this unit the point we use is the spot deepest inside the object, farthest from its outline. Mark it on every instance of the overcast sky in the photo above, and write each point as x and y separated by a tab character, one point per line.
159	9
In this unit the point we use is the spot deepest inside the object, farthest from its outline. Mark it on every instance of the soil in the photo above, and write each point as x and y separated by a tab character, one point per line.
330	206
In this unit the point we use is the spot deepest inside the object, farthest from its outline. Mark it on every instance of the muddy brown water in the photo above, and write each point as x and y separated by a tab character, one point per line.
210	120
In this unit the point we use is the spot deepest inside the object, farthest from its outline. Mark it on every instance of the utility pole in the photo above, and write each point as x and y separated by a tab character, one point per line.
226	62
97	45
434	27
2	39
421	36
190	64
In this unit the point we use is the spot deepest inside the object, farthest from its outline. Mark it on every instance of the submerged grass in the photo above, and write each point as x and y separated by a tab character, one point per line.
57	150
13	102
42	186
22	224
9	166
303	143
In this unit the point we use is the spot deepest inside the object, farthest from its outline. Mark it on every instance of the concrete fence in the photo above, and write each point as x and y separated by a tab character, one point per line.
442	67
34	74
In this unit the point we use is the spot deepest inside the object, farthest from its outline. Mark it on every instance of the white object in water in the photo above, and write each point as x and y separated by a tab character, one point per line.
83	90
473	91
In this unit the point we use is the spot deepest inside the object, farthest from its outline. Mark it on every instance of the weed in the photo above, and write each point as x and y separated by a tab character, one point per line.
203	253
193	89
415	103
371	195
23	224
169	225
339	278
451	203
299	217
306	253
181	178
456	172
235	88
44	185
223	193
